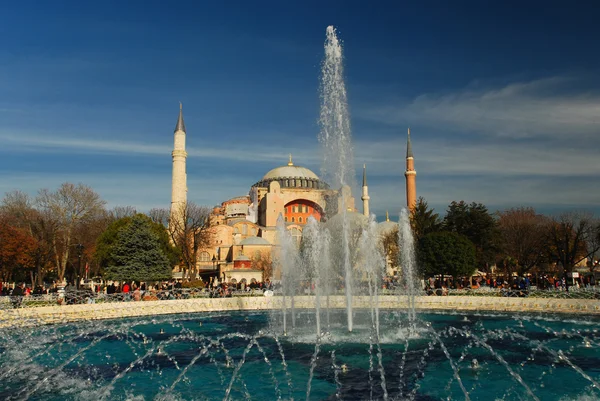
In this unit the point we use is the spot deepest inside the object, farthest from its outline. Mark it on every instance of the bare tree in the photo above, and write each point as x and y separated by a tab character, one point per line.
391	248
190	231
523	234
593	244
119	212
263	261
571	237
160	215
68	206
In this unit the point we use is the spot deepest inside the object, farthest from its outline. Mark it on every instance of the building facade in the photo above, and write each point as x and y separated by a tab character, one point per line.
243	237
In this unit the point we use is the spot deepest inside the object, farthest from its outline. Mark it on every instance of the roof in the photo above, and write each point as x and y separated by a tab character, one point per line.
387	226
254	241
291	172
180	124
242	258
356	220
409	152
364	175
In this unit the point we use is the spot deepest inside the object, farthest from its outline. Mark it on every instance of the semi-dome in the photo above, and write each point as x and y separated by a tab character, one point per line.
356	220
254	241
386	227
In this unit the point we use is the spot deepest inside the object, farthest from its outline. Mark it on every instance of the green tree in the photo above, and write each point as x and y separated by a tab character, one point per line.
446	253
478	225
423	220
137	254
108	239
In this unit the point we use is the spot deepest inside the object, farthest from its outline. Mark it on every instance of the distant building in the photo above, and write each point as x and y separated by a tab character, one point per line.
245	228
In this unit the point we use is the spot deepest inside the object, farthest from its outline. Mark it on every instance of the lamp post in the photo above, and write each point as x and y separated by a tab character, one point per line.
214	262
79	248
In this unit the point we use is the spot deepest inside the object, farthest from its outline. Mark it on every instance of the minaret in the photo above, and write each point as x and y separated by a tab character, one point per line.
411	177
365	192
179	181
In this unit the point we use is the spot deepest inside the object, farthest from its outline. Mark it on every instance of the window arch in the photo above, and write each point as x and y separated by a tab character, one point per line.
296	235
204	257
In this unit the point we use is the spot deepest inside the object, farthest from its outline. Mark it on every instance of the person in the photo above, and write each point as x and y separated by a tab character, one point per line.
137	295
17	295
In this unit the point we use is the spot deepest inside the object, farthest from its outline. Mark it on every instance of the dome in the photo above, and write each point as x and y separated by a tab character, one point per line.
292	176
356	220
386	227
254	241
290	172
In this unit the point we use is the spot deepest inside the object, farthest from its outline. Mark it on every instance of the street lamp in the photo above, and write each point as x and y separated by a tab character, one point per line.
214	261
79	248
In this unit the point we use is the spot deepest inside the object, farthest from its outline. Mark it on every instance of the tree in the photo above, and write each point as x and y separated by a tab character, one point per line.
17	207
190	231
137	254
106	242
119	212
391	249
446	253
159	216
593	244
68	206
263	261
16	252
573	238
423	220
523	233
478	225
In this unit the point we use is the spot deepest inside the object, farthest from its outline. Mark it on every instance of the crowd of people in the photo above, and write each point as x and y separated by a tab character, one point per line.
519	286
89	292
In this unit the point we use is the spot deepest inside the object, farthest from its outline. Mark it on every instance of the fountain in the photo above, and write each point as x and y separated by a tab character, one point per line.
329	336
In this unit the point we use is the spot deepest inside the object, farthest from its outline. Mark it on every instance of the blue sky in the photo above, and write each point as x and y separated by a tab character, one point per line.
503	99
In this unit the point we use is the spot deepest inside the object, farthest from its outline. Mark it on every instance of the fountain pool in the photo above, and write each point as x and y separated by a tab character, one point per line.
218	356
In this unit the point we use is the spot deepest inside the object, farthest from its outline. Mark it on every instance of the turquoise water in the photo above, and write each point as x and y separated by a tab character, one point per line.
201	356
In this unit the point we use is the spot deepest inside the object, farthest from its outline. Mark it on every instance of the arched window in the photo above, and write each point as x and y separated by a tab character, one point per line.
296	235
204	257
293	219
286	219
299	219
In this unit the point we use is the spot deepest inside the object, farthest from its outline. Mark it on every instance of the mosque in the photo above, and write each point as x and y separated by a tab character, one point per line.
244	229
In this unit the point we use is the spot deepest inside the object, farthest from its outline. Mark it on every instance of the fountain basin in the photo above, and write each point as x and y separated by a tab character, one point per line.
235	355
71	313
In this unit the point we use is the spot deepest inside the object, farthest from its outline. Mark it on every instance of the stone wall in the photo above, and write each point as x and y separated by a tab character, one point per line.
71	313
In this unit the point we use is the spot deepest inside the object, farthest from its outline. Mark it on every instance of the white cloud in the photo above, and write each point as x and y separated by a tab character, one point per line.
241	151
539	108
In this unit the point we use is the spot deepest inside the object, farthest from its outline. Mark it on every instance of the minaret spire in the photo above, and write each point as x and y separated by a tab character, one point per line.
411	176
409	152
365	192
179	178
180	124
